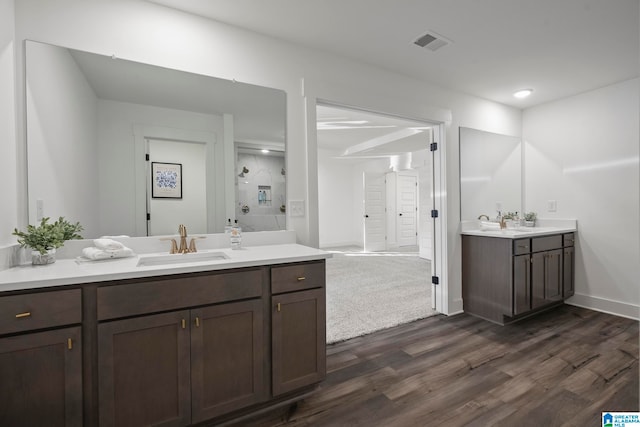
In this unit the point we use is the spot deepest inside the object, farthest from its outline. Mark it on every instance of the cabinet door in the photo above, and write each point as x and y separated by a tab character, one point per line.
568	279
298	340
144	371
553	276
521	284
538	261
227	358
41	379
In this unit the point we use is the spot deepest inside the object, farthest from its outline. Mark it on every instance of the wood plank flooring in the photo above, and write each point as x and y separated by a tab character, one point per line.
560	368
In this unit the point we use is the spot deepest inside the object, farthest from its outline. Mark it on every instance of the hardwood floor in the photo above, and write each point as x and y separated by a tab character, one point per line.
560	368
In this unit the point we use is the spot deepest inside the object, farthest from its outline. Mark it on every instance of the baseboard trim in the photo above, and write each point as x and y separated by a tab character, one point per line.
604	305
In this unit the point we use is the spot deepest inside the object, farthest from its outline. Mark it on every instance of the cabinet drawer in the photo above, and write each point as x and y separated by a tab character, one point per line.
521	246
546	243
27	312
297	277
177	292
568	239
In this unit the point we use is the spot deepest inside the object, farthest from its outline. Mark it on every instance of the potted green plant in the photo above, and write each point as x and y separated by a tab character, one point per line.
45	238
530	219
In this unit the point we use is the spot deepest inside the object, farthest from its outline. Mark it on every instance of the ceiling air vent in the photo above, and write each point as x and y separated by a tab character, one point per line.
432	41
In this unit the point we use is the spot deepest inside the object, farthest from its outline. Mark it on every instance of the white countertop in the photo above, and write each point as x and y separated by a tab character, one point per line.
72	271
544	227
520	233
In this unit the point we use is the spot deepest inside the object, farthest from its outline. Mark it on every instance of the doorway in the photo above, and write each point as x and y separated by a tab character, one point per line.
188	204
375	197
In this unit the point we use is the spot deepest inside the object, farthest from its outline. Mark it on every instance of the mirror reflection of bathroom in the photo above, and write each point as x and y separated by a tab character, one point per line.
490	174
261	184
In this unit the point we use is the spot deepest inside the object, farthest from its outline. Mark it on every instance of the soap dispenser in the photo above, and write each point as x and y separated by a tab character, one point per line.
227	228
236	236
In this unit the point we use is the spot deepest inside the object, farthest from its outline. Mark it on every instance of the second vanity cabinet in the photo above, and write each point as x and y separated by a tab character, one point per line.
504	279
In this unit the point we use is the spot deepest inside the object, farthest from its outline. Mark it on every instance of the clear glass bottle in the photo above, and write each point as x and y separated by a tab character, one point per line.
236	236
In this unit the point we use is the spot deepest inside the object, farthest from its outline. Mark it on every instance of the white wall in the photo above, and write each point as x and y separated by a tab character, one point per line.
117	171
583	152
62	146
8	159
152	34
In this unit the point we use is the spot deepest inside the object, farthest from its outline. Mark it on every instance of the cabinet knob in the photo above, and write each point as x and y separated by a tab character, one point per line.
21	315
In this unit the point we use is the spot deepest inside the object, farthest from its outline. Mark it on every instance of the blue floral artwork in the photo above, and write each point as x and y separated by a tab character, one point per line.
166	180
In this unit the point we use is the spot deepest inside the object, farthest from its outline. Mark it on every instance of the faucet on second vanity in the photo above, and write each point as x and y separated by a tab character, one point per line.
183	249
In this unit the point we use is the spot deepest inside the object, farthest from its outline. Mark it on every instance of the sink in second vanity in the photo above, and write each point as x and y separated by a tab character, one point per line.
172	259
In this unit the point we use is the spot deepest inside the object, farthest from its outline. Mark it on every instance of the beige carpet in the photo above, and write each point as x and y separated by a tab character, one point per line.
367	292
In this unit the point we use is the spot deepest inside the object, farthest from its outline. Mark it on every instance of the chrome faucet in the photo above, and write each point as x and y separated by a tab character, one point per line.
483	215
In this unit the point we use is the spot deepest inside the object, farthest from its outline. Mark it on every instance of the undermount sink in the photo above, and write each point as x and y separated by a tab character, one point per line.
170	259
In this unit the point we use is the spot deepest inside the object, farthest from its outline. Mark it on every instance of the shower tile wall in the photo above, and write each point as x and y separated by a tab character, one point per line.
264	172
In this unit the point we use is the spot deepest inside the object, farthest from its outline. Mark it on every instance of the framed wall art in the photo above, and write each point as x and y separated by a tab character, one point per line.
166	180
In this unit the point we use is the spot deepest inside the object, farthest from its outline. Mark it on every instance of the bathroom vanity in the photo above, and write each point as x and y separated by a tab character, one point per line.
111	343
508	274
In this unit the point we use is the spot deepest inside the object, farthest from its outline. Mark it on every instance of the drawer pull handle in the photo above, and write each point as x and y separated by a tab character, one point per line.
197	322
184	324
301	278
523	246
278	307
21	315
69	343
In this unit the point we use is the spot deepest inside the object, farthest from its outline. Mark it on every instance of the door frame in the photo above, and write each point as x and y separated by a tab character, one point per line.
440	291
141	149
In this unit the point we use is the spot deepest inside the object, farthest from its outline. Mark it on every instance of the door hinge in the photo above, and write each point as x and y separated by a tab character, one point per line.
146	157
433	146
435	280
148	217
434	213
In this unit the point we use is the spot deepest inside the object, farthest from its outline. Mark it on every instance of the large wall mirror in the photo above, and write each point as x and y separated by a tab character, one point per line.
490	174
133	149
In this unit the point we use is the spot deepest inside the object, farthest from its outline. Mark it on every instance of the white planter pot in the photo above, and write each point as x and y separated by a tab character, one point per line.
43	259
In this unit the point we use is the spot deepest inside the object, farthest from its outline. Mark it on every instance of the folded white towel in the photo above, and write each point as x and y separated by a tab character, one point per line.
94	253
108	244
119	236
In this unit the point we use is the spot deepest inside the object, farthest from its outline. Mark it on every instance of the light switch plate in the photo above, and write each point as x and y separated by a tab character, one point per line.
552	205
296	207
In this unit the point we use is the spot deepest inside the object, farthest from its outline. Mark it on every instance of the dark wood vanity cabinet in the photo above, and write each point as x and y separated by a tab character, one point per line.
176	350
298	332
504	279
41	370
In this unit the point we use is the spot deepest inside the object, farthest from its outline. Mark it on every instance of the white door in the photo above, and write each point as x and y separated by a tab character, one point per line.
374	216
166	214
407	207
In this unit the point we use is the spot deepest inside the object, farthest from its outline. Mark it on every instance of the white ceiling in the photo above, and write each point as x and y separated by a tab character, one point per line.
558	48
355	134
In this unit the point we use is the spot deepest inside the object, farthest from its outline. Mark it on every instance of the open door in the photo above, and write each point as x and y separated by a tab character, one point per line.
374	214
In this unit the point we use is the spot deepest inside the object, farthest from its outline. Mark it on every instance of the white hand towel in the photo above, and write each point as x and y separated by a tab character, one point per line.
108	244
94	253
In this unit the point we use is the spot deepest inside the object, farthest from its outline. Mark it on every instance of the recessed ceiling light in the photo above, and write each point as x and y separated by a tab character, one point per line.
523	93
